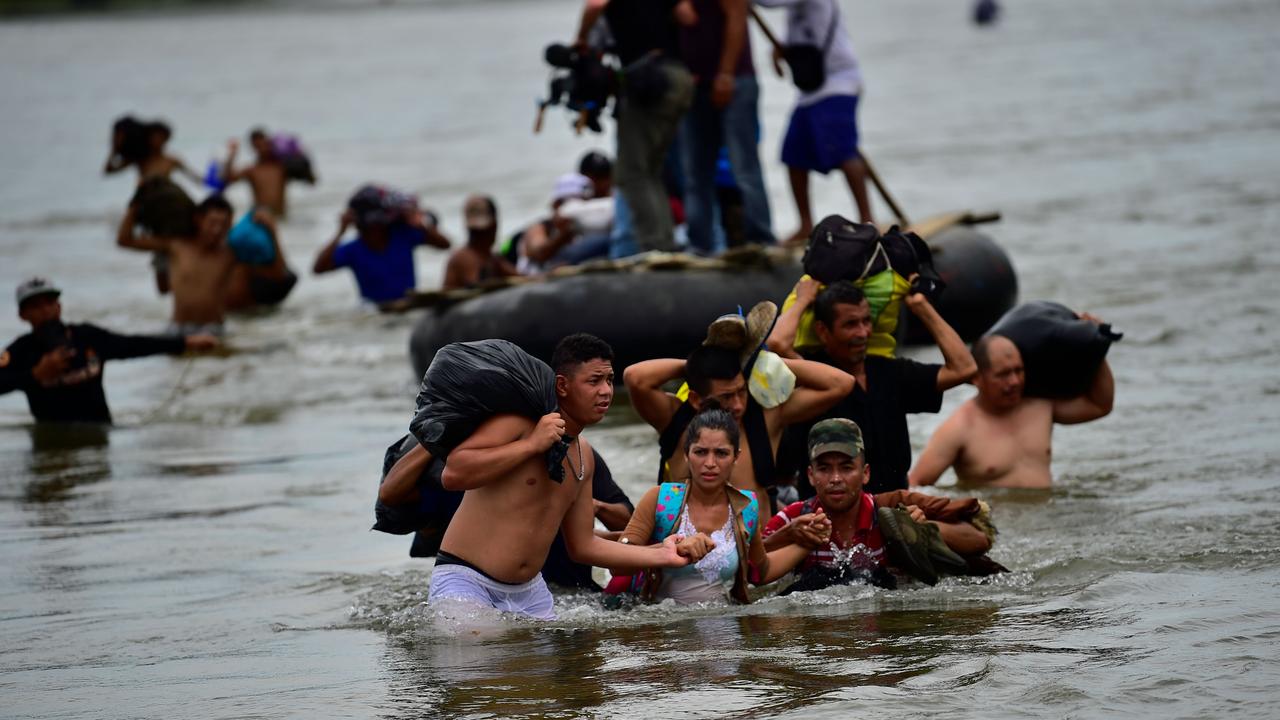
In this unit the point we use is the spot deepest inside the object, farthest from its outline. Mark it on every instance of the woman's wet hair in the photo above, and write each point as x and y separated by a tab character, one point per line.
712	417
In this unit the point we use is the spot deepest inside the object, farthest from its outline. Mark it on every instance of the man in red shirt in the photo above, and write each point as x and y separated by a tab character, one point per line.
928	530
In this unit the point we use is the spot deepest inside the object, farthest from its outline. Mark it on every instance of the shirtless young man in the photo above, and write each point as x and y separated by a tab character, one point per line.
199	267
266	175
1001	438
716	374
498	539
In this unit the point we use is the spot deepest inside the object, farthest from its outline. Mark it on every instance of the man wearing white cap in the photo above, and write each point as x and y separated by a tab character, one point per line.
576	231
476	262
59	366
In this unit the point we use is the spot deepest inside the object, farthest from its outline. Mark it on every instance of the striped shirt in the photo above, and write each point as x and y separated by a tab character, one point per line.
863	551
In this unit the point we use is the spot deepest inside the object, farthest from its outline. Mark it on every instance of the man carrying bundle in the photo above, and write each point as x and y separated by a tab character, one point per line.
514	504
1001	438
714	371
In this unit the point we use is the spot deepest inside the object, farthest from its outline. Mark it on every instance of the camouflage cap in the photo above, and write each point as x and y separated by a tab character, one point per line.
840	435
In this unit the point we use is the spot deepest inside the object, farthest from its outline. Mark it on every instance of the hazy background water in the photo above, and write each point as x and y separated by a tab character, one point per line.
211	557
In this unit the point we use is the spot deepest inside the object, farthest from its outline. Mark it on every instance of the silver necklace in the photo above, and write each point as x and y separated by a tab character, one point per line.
580	471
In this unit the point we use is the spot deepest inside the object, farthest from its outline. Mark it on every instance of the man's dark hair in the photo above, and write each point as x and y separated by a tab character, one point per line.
712	417
577	349
258	132
214	202
595	164
710	363
982	351
841	292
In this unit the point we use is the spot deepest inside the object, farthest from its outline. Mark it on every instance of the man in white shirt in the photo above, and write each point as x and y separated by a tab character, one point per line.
823	133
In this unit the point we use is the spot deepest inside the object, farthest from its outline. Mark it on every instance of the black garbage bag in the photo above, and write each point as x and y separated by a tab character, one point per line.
1060	352
164	209
435	506
469	382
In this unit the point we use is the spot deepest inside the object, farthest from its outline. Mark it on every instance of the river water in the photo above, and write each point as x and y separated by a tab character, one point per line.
210	557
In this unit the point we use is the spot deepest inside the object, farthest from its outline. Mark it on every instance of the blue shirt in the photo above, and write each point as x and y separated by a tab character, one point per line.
385	275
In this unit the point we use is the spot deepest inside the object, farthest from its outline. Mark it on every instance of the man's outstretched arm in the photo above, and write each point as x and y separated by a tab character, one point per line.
587	548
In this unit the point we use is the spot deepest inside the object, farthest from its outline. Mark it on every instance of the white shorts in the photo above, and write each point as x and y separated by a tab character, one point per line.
459	582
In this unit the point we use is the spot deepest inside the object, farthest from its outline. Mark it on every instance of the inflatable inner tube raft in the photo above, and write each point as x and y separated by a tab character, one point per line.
651	309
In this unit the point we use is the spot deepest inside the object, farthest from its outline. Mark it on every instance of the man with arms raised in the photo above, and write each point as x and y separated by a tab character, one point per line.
1000	438
497	542
886	389
717	373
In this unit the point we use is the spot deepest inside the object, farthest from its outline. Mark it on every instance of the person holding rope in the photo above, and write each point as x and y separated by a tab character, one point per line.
823	133
59	366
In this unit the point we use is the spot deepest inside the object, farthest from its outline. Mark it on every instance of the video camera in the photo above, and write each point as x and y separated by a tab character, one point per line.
581	81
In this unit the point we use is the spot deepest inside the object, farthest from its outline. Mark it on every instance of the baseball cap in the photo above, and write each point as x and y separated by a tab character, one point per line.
479	214
572	185
840	435
34	287
595	164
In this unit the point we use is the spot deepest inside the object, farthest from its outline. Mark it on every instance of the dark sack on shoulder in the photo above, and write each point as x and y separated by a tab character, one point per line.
433	510
840	249
1060	352
468	383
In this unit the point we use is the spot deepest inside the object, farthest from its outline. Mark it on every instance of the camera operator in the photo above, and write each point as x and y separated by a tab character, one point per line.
655	94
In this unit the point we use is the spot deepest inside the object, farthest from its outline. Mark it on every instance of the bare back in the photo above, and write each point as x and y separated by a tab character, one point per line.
506	527
199	276
268	182
1013	449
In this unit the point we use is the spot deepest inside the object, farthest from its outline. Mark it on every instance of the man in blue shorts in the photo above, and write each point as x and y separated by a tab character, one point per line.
823	133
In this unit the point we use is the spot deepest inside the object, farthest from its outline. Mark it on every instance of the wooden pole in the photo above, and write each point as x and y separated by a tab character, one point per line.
884	191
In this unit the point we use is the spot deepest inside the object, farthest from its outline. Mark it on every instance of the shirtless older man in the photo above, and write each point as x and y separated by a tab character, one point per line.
498	539
1000	438
199	267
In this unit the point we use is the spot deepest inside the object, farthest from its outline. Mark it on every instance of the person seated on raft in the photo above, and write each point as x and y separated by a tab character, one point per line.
886	388
261	278
841	528
1000	438
59	366
714	371
476	262
576	231
267	176
390	226
721	522
200	267
411	489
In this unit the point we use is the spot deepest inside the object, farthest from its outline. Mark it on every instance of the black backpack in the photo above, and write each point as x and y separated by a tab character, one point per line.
840	249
